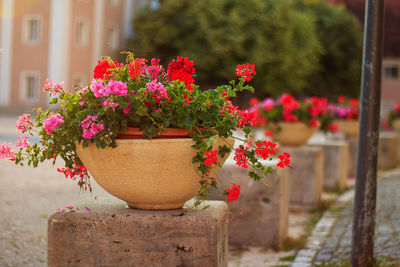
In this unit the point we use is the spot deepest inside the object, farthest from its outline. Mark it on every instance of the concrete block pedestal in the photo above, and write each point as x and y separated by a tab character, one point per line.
265	210
336	164
387	152
306	176
110	234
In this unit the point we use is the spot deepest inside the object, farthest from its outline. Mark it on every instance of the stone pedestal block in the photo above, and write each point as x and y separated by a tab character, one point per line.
387	153
306	177
398	146
111	234
265	210
336	164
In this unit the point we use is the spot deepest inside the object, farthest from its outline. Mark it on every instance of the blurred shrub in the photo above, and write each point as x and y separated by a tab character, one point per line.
278	38
339	33
302	47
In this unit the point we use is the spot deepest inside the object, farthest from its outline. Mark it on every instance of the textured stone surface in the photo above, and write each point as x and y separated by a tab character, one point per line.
336	164
264	220
306	177
336	248
387	153
113	235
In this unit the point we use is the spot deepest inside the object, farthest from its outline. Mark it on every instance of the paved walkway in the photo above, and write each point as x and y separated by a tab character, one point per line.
330	243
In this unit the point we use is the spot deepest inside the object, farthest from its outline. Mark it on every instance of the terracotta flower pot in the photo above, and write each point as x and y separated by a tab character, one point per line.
348	127
293	133
147	173
396	125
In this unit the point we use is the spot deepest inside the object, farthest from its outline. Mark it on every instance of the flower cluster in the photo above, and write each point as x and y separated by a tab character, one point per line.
181	69
90	128
99	89
135	94
245	71
346	108
24	123
52	123
312	111
53	88
6	151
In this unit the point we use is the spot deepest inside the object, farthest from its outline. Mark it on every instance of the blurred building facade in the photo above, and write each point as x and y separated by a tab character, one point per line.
391	52
58	39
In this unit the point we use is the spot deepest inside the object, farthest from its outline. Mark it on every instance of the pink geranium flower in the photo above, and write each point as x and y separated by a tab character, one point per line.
53	88
157	89
98	88
22	142
117	88
90	128
53	122
6	151
24	123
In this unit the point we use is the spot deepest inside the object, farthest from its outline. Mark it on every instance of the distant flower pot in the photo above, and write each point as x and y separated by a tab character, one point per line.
396	125
348	127
293	133
154	174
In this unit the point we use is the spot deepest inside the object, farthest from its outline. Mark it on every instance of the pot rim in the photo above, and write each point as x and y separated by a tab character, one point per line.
135	133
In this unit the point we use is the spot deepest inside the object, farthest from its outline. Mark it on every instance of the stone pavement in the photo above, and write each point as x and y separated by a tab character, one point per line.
330	243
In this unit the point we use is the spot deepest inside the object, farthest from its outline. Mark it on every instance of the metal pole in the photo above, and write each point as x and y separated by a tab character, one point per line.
368	138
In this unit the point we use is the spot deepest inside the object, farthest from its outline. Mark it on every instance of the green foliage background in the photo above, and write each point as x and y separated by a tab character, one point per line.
298	46
340	35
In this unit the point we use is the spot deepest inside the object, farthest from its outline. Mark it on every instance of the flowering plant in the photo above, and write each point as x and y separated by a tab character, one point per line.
312	111
346	108
151	98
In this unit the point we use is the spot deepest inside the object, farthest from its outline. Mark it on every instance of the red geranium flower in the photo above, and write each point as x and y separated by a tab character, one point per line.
354	102
269	133
102	69
284	160
246	71
313	123
247	118
137	68
341	99
333	127
253	101
233	193
211	157
182	70
240	158
265	149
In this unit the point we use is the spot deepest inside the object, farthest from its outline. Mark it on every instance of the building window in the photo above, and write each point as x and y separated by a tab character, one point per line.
31	29
391	72
30	86
112	38
81	33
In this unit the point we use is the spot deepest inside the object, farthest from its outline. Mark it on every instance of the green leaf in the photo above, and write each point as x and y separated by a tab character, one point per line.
53	101
211	141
